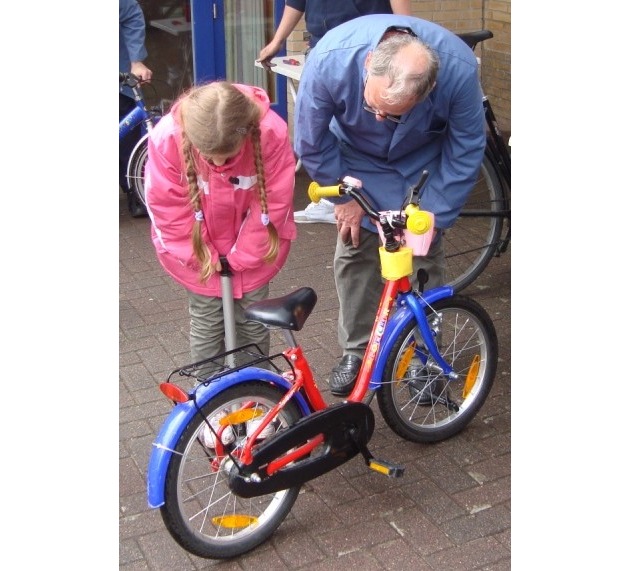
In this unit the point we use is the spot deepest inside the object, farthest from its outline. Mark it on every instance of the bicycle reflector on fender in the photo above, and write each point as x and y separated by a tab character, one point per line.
173	392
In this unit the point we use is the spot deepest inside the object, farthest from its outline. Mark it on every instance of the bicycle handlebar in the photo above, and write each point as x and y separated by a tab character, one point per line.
410	217
128	79
416	221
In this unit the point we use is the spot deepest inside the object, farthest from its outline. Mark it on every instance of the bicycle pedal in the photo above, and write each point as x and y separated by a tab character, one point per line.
388	468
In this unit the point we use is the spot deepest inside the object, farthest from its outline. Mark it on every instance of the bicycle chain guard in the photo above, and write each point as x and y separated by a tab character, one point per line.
347	427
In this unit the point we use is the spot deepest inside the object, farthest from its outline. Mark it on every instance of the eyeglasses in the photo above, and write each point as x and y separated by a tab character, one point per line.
393	118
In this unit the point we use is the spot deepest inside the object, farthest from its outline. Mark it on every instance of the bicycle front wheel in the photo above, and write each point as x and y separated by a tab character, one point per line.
417	400
135	172
200	511
472	241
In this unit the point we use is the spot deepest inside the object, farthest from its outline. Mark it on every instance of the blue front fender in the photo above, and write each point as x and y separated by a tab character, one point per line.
182	414
396	323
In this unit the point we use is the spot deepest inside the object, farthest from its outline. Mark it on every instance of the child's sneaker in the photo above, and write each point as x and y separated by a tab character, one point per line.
253	424
226	432
322	211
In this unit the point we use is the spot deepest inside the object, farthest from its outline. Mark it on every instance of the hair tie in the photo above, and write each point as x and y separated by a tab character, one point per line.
264	218
199	215
241	130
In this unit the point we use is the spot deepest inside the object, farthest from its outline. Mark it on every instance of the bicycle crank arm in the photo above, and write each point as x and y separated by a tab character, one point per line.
346	428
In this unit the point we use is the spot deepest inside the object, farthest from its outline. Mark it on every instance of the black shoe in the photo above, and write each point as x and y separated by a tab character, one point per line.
344	375
419	387
136	208
424	392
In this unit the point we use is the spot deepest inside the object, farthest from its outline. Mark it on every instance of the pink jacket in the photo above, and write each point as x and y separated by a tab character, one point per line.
231	209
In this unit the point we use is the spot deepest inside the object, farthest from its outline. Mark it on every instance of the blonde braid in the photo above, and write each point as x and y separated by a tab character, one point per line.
272	252
200	248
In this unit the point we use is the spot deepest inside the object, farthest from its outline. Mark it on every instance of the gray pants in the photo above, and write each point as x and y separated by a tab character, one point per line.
207	335
359	286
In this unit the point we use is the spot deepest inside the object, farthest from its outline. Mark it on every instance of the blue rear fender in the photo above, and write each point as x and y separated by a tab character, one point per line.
402	316
179	418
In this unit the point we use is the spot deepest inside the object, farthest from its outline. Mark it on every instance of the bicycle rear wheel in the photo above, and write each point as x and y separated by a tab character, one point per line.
135	171
470	244
416	400
200	511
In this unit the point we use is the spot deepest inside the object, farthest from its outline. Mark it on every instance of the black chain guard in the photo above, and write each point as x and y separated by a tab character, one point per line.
347	427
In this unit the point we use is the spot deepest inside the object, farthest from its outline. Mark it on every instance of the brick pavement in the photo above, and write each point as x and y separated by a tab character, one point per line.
450	511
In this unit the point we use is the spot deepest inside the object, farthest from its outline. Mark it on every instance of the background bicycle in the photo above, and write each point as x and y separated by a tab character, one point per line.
482	230
144	118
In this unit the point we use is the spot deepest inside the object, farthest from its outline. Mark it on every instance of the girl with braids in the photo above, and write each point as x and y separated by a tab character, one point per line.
219	183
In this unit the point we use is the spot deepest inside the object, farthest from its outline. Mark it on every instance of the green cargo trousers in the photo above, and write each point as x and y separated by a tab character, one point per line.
207	335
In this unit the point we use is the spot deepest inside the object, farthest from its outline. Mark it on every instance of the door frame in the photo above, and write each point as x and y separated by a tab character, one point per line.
208	47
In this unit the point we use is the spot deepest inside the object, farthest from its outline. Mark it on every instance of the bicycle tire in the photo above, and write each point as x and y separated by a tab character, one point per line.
416	400
135	171
472	241
197	496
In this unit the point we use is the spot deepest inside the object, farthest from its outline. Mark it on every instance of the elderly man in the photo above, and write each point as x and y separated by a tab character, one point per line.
381	98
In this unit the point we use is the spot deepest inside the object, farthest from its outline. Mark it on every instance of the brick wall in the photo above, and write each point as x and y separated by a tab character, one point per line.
467	16
496	56
464	16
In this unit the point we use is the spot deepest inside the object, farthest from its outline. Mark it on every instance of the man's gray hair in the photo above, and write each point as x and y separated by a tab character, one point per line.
402	84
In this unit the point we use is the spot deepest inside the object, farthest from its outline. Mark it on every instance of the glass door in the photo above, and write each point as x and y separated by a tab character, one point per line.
227	36
169	46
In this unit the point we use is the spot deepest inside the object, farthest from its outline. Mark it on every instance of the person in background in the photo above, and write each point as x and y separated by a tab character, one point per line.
381	99
219	182
131	55
320	17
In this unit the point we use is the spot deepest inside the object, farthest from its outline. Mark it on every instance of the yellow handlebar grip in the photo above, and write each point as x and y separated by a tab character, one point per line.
419	221
315	192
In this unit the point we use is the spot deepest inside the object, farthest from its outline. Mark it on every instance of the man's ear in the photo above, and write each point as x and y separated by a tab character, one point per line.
367	60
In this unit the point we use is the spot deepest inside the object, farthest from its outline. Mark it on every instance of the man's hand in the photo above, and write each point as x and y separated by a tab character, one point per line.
141	71
269	51
349	218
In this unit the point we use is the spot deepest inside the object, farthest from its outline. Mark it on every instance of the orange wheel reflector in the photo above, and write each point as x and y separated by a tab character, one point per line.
234	521
241	416
403	364
173	392
471	377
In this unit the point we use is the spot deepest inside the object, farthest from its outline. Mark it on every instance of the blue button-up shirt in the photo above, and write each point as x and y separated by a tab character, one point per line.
131	35
334	136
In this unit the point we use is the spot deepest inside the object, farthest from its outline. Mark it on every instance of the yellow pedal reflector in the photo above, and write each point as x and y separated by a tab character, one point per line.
379	468
405	359
241	416
387	468
471	377
234	521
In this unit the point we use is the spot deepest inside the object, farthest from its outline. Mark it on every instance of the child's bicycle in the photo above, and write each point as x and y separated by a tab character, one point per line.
146	118
229	461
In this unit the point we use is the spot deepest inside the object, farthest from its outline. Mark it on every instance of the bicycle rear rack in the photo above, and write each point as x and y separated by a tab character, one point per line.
212	369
